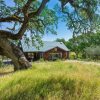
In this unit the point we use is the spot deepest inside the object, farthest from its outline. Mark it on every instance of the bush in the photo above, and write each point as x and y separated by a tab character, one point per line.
72	55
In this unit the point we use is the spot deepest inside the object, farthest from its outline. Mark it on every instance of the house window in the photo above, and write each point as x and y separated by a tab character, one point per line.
31	55
55	56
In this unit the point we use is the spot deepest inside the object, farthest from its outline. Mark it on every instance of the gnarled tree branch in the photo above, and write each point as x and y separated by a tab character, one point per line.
26	7
27	17
39	10
11	18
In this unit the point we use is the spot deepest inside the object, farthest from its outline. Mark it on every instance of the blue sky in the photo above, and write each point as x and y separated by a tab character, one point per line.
62	31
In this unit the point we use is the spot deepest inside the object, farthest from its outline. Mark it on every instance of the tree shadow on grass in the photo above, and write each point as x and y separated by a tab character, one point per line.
6	73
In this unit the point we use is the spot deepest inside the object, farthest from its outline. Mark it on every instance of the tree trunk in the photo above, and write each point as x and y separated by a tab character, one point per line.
8	49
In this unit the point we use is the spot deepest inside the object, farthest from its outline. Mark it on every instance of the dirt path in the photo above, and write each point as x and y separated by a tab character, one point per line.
85	62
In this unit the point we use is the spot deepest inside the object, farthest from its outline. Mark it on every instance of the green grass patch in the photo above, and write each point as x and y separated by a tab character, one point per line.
58	80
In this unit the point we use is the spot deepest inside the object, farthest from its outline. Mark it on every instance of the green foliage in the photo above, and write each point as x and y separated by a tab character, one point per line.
37	26
79	16
53	80
79	43
72	55
61	40
82	16
4	9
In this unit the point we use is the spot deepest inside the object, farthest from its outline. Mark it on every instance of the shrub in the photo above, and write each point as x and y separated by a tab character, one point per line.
72	55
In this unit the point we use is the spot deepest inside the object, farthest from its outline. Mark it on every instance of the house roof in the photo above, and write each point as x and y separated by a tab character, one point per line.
47	45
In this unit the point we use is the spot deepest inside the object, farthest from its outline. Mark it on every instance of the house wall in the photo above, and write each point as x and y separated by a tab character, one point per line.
46	55
65	54
32	56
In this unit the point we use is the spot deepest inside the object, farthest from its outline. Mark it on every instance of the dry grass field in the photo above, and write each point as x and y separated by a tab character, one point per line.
60	80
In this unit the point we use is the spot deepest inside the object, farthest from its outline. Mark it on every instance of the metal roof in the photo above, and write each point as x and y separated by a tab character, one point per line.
47	45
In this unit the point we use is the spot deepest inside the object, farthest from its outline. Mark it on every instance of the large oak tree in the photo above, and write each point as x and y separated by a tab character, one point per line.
35	17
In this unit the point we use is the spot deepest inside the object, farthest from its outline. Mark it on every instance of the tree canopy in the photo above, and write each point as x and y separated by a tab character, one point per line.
36	17
84	44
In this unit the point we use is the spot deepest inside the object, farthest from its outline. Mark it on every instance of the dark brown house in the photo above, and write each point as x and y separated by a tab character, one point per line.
49	51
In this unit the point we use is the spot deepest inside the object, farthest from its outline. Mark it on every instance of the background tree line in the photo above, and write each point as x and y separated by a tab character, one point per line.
85	45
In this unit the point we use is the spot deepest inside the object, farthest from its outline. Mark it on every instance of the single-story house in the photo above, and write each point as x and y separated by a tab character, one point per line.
50	50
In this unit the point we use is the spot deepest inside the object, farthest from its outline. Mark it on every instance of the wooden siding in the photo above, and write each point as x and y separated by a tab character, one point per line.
65	54
32	56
